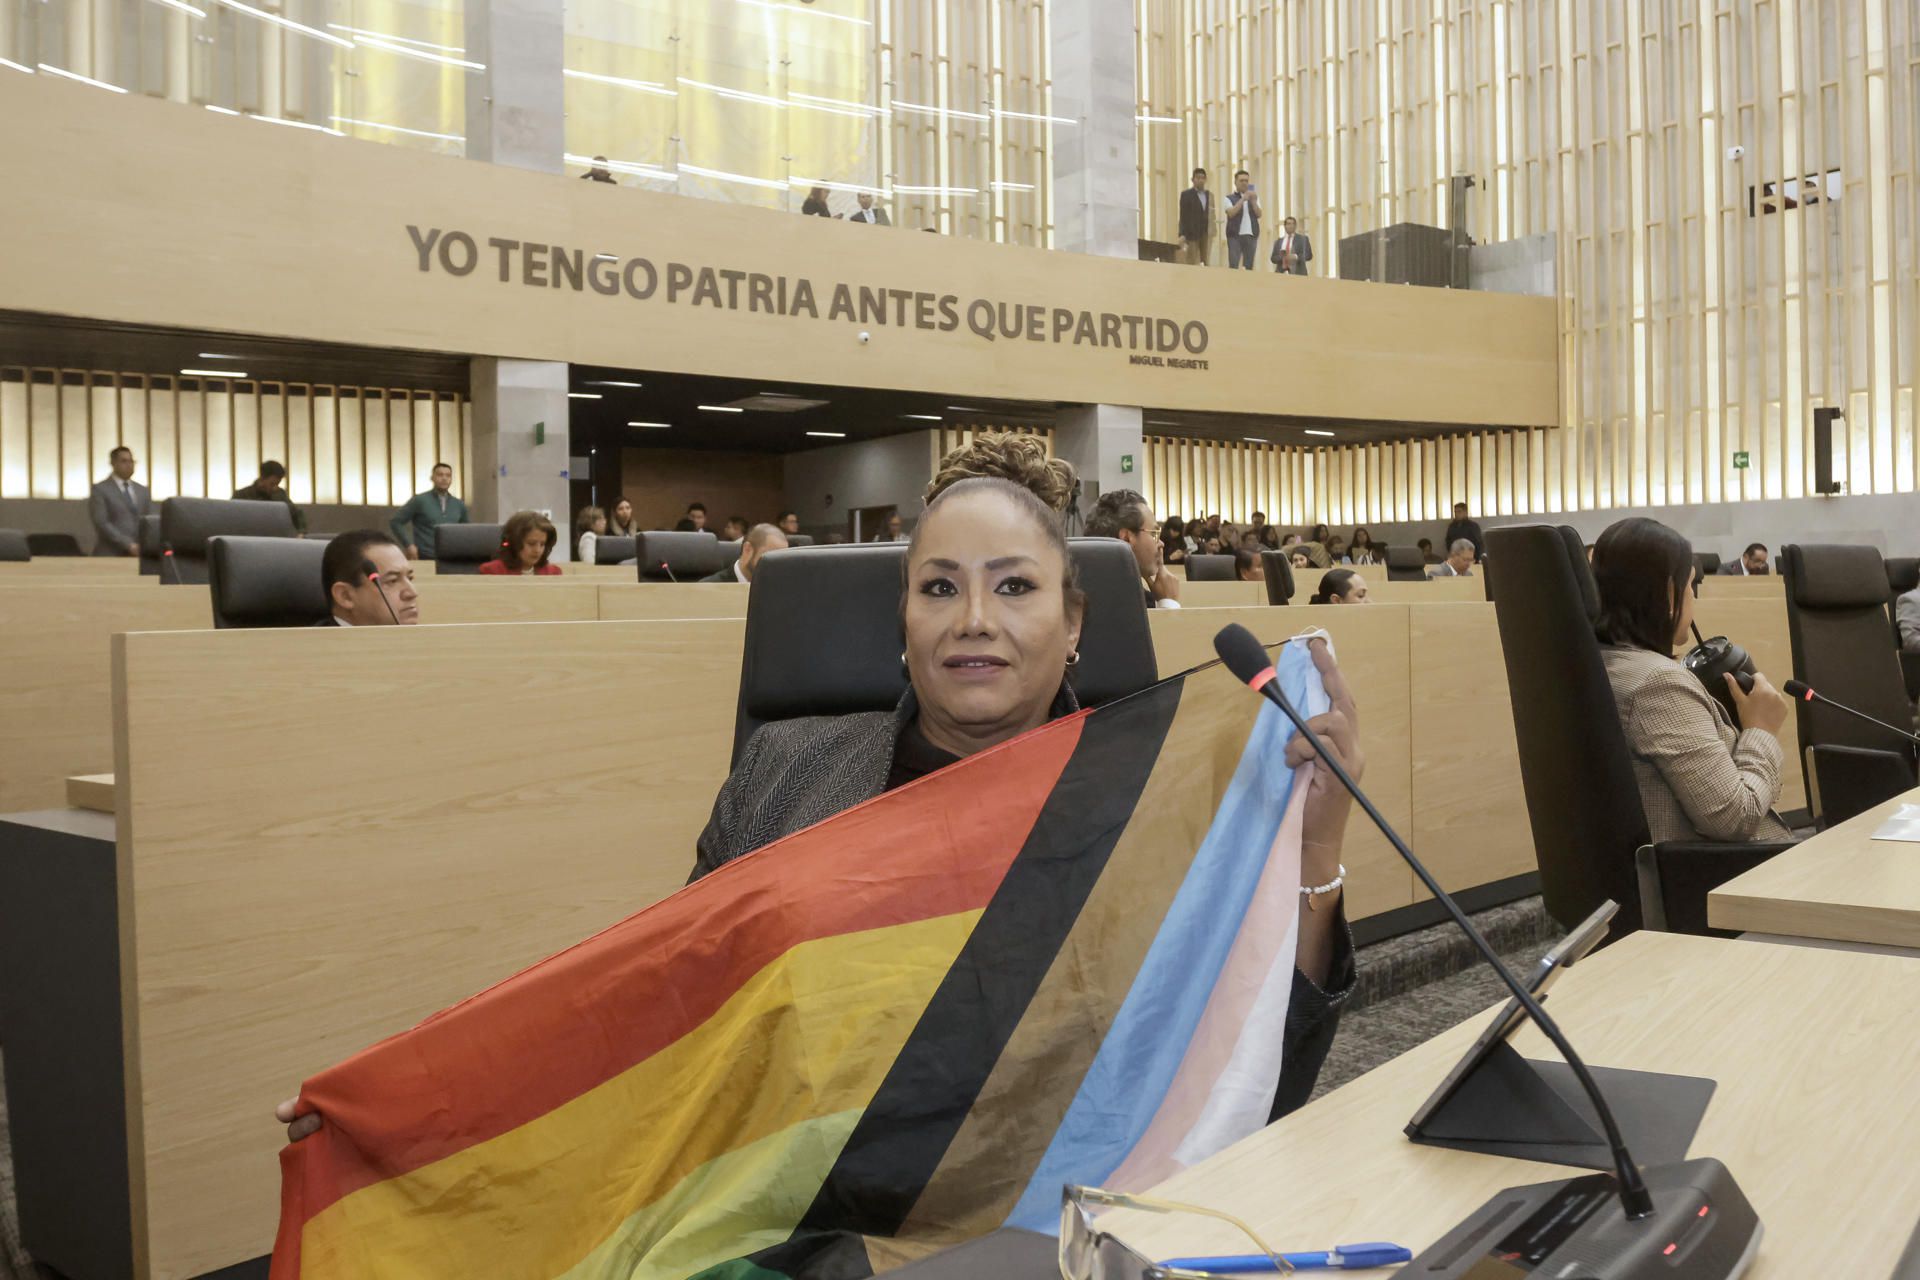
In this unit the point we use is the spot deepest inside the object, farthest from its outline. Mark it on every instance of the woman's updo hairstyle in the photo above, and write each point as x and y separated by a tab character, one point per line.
1334	584
1018	467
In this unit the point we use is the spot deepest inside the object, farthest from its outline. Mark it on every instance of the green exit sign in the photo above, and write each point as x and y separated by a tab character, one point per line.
1740	461
539	433
1126	463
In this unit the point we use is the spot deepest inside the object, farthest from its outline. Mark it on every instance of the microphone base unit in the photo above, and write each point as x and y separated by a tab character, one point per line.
1702	1228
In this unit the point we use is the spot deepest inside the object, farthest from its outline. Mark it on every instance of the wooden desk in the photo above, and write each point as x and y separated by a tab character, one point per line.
1816	1114
91	791
1841	886
75	568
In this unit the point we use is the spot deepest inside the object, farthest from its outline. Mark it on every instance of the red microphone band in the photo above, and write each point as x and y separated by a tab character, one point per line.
1807	696
1261	680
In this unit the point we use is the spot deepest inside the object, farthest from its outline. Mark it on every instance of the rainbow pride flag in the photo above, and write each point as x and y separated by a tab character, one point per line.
1065	959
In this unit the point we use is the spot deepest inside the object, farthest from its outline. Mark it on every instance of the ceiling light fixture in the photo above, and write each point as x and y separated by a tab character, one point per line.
75	75
220	355
211	373
621	82
394	128
964	408
721	408
924	417
829	435
608	382
9	62
288	23
650	424
1256	440
583	395
1312	432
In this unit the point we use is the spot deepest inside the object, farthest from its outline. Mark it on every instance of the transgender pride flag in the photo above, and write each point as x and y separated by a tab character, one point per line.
1066	959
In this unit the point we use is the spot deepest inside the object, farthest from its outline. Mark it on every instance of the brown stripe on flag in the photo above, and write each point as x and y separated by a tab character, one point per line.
1026	1096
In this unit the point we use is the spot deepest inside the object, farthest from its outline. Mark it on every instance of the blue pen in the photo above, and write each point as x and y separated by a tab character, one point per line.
1346	1257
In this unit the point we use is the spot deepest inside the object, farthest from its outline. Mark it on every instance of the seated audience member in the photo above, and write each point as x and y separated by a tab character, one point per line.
1173	544
1752	562
1426	551
1213	525
620	524
1300	559
1289	541
895	530
760	539
815	205
1212	547
1124	514
1340	586
1246	565
694	521
1336	549
1195	537
360	566
990	581
734	529
1266	533
525	545
1906	615
1364	550
789	523
272	487
588	525
1701	777
1459	561
1319	535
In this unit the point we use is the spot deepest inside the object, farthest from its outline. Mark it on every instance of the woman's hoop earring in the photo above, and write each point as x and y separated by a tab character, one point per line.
1073	659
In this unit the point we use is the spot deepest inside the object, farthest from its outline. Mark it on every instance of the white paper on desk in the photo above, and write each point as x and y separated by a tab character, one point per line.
1903	825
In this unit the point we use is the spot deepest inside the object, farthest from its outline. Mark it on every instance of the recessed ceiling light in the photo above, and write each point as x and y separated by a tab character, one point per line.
213	373
924	417
964	408
606	382
1312	432
829	435
721	408
583	395
220	355
650	424
1256	440
1161	422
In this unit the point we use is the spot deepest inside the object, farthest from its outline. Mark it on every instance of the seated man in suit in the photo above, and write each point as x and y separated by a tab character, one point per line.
369	581
760	539
1906	615
1752	562
115	507
1459	561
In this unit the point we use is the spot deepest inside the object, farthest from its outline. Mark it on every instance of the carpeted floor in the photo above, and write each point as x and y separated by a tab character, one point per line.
1410	988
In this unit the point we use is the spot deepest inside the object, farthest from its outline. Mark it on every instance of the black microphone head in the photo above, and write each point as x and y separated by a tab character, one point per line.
1797	689
1243	653
369	568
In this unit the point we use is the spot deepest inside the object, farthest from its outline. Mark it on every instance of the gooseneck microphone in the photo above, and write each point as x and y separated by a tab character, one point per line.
1805	693
1249	661
373	575
668	570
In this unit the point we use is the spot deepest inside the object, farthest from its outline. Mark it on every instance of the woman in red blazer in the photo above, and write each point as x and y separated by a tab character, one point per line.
525	544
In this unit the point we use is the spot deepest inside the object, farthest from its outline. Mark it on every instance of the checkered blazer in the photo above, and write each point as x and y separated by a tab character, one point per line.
1700	778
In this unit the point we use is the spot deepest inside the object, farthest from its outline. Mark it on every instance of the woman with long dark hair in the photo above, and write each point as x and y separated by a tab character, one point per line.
1340	586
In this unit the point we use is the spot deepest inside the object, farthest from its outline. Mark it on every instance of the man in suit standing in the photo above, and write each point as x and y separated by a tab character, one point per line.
1196	221
760	539
1752	561
1464	526
426	512
1293	250
1243	222
867	213
115	506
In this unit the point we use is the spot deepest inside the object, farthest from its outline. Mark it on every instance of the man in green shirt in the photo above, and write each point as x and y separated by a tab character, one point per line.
426	512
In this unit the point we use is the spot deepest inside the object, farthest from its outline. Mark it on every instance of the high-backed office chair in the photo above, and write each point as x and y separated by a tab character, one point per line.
677	556
14	545
799	540
1484	567
1837	624
802	659
1209	568
151	547
266	582
1903	575
1589	831
463	548
1278	570
1705	564
54	544
187	523
613	548
1406	564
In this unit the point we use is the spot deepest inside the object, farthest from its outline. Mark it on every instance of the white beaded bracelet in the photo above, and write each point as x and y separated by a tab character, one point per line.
1313	892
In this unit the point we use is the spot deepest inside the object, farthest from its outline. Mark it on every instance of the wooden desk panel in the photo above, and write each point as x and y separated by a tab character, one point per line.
288	897
1744	587
1372	648
91	791
1221	595
640	601
1841	885
56	712
79	568
1381	590
463	599
1816	1114
1757	621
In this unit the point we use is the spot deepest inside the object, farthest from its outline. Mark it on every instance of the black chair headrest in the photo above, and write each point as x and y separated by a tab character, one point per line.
266	582
466	543
13	545
685	555
1706	563
187	523
1278	569
1903	574
613	548
1835	577
54	544
1209	568
150	542
799	539
823	632
1405	558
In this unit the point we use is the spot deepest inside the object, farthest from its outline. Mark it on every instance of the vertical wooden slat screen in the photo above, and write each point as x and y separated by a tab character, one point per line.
205	437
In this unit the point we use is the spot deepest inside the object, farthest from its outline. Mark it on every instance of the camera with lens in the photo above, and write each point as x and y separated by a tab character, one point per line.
1711	661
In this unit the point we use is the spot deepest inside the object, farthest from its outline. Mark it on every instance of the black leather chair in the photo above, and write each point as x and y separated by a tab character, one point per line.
1209	568
1903	575
1837	625
678	555
152	548
266	582
54	544
613	548
1278	571
1705	564
846	656
187	523
1406	564
1589	830
14	546
799	540
463	548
